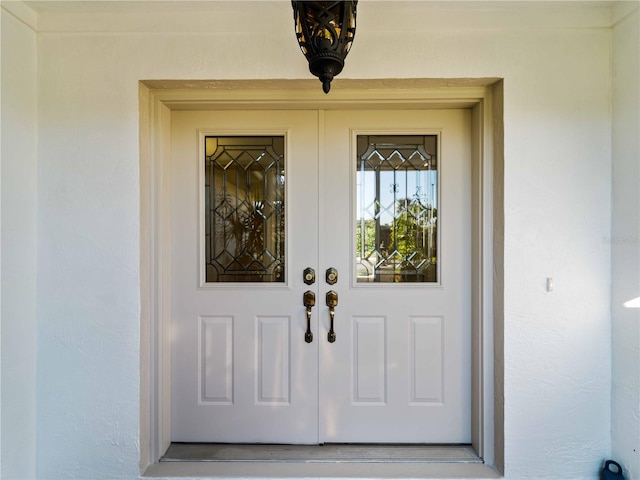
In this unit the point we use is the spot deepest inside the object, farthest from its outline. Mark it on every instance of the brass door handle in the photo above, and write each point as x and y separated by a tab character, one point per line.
332	303
309	300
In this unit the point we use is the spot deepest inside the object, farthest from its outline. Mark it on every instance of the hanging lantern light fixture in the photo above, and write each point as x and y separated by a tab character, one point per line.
325	32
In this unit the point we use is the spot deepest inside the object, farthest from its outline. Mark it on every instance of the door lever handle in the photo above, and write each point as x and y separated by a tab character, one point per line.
332	303
309	300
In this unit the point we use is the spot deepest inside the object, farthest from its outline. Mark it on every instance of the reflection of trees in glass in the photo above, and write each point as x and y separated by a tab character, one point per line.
397	183
412	230
243	231
411	234
369	238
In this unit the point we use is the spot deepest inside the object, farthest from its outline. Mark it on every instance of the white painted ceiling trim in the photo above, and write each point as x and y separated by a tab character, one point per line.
275	16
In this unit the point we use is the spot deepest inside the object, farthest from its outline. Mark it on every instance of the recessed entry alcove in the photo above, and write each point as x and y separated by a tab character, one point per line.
176	117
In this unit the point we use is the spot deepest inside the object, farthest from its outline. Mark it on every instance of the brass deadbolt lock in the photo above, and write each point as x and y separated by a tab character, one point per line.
332	276
309	276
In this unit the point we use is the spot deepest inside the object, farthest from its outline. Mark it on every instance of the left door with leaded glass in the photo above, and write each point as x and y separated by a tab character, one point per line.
239	243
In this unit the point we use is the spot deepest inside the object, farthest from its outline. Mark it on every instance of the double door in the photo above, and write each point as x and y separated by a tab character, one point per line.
320	284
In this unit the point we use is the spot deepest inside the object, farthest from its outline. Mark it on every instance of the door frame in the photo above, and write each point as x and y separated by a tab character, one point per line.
157	99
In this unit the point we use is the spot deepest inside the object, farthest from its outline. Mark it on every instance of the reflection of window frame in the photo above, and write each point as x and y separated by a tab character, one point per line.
403	148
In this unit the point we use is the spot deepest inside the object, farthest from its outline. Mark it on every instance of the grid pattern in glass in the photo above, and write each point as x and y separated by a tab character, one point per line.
244	209
397	208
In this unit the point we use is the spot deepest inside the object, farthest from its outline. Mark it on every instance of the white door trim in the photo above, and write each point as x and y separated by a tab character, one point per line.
158	99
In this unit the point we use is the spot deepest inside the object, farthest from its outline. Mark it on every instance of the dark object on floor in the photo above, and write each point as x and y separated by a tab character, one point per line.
612	471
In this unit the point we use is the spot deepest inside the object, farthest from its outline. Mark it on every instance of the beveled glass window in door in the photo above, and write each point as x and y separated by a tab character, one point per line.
244	209
397	208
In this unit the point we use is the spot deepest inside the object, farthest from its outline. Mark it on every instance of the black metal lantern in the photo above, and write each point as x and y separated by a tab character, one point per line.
325	32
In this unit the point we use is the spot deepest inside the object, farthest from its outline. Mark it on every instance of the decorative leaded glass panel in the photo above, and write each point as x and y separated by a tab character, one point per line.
397	208
244	209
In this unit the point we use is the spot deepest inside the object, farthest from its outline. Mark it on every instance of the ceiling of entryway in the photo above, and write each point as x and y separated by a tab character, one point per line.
391	8
182	5
276	18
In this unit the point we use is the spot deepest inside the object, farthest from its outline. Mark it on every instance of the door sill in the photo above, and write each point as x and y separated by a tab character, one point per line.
327	453
306	471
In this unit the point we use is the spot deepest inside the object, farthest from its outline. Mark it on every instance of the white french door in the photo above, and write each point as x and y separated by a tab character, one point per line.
241	370
399	370
380	197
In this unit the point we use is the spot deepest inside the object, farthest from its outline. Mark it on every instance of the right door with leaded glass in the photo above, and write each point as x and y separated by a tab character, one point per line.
396	225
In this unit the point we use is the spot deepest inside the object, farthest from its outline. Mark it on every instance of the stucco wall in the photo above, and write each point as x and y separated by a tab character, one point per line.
557	141
18	240
625	242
